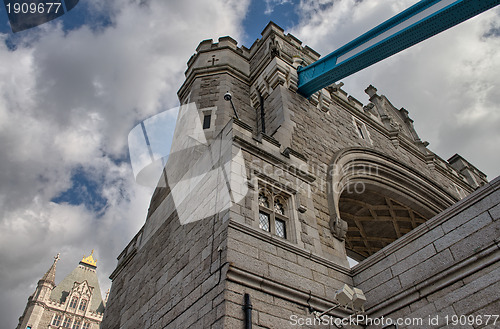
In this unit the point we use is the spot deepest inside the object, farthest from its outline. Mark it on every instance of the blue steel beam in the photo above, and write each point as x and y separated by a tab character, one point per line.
417	23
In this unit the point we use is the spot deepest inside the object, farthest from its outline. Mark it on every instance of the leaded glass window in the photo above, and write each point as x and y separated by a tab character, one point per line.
272	211
264	221
280	228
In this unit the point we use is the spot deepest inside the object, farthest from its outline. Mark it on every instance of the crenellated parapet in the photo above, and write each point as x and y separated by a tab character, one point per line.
274	198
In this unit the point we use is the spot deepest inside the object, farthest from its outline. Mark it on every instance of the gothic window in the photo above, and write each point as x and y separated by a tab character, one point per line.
57	320
83	305
67	322
361	130
76	324
263	199
278	206
86	325
264	221
273	216
280	228
74	302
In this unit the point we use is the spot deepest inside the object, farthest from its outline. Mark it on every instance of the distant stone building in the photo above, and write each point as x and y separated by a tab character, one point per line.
291	188
76	302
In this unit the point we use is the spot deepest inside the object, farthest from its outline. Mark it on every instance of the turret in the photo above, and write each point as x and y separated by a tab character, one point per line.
34	309
46	283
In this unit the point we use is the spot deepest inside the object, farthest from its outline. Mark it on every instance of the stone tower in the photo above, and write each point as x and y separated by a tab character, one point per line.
75	302
255	221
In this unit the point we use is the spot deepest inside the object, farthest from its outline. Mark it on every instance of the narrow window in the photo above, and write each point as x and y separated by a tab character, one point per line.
57	320
206	121
264	221
272	212
360	130
86	325
83	305
76	324
280	228
67	322
74	302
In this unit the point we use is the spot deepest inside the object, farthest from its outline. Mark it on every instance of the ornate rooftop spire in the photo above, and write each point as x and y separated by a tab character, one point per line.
89	260
50	276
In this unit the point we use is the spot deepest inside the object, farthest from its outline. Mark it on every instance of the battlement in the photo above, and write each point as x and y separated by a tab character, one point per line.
289	188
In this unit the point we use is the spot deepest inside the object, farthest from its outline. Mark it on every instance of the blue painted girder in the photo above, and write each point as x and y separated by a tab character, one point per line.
417	23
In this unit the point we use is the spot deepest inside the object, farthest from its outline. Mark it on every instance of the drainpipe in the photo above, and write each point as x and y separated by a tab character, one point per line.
248	312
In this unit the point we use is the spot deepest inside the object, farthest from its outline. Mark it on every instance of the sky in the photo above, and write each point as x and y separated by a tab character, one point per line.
72	89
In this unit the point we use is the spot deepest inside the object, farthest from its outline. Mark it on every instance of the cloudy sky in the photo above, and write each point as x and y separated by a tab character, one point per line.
71	90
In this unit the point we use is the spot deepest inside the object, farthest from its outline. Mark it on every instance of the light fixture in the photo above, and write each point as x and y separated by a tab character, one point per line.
229	98
350	298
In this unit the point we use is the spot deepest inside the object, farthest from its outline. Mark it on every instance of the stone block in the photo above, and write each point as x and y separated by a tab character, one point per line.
248	263
478	300
444	291
463	231
419	243
495	212
291	279
374	269
474	210
477	241
286	265
426	269
382	292
376	280
417	257
466	290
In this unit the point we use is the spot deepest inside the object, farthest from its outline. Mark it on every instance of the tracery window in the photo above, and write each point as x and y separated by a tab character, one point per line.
273	216
83	305
57	320
67	322
74	302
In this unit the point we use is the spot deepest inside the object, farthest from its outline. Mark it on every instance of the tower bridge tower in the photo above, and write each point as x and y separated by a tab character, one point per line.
271	203
75	302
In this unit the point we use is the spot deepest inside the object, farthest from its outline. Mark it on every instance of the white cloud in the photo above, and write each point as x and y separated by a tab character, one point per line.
67	102
446	82
272	4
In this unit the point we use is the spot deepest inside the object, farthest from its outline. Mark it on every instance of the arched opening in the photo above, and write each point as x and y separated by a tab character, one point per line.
375	199
377	215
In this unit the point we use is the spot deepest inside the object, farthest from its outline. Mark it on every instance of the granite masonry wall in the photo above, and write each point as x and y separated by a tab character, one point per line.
196	275
447	269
